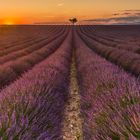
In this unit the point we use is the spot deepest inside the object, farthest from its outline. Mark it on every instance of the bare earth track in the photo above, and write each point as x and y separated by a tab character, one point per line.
72	125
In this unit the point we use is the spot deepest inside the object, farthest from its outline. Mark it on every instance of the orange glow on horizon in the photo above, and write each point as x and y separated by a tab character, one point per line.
13	12
8	22
12	21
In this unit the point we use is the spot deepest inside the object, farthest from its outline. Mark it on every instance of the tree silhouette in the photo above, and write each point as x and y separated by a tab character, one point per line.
73	20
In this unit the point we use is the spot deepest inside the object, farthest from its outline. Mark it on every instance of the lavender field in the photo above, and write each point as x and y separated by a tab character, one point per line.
70	82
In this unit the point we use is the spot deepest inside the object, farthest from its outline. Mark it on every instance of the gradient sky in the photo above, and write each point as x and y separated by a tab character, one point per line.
34	11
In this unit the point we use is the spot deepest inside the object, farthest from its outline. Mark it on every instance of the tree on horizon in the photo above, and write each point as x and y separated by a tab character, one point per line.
73	20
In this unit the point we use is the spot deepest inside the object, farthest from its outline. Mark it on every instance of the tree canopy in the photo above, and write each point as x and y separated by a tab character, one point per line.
73	20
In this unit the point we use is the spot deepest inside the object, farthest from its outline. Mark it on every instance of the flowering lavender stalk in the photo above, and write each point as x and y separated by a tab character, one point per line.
21	37
14	53
128	60
101	35
32	107
10	71
110	97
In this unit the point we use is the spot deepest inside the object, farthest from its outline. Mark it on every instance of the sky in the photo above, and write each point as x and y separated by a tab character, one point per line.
59	11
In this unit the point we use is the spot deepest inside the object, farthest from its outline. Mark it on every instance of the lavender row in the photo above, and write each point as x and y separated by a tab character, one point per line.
109	97
10	71
132	47
30	49
121	34
27	47
105	34
16	37
32	107
128	60
20	35
36	36
88	30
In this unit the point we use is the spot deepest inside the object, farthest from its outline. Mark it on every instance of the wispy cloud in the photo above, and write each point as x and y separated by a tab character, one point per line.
116	14
116	20
60	4
124	17
132	10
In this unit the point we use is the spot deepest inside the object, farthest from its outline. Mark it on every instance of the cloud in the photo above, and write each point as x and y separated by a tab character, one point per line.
123	13
135	19
122	17
49	16
116	14
137	14
126	13
130	10
60	4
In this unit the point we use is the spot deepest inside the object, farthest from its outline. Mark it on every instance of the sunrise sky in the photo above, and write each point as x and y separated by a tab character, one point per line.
87	11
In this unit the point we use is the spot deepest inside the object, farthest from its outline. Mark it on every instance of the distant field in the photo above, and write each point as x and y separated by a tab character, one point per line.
87	74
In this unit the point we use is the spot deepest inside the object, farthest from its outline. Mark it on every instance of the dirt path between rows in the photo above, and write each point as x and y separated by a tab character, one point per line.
72	125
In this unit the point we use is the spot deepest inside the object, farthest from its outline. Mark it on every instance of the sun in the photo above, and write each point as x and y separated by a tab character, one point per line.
13	21
8	22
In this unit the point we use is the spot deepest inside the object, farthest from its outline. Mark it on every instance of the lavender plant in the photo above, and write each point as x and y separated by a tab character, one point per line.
110	97
11	70
126	59
32	107
15	53
103	36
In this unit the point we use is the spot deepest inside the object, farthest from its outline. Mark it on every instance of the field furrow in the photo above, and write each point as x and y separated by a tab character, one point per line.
29	48
11	71
69	82
126	45
109	97
127	60
39	97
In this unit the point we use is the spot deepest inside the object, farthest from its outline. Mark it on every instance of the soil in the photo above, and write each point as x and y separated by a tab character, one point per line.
72	125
